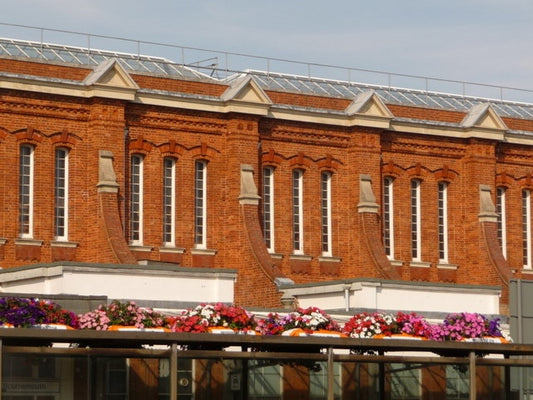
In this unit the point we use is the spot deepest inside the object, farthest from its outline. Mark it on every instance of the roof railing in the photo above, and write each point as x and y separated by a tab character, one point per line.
220	64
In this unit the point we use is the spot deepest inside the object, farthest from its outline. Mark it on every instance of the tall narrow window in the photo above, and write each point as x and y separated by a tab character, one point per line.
526	228
169	201
502	219
416	234
297	211
388	217
200	204
443	221
136	199
326	213
61	194
26	191
268	207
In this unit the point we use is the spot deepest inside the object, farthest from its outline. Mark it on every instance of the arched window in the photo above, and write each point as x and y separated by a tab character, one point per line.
136	199
297	212
169	201
526	228
325	194
388	216
442	214
502	219
200	204
26	176
61	185
416	228
268	207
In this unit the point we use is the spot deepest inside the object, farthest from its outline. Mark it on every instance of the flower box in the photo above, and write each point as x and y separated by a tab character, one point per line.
214	318
124	328
328	333
220	330
400	336
53	326
118	314
248	332
486	339
294	332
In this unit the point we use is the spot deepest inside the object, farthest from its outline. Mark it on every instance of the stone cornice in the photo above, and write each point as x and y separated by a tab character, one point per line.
366	110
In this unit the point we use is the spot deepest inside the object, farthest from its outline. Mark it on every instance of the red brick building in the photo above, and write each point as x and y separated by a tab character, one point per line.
118	159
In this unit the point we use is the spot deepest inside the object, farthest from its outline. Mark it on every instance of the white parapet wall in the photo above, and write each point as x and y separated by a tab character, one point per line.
383	295
135	282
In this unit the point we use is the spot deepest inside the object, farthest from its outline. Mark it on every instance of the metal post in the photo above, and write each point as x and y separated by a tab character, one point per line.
174	371
381	378
331	375
522	372
1	363
507	384
472	374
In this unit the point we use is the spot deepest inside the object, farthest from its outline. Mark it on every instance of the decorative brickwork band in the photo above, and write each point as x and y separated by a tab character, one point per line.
370	229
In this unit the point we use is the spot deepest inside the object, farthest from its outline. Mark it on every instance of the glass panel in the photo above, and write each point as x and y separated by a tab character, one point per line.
405	382
264	380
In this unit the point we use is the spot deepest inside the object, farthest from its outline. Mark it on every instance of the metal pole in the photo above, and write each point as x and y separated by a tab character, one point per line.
1	363
472	372
331	375
507	384
522	374
381	378
174	372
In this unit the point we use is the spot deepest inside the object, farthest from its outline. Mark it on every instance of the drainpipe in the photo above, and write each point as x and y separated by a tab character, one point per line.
126	163
347	287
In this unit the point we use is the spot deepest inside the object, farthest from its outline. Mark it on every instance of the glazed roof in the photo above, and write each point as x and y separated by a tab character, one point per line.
266	80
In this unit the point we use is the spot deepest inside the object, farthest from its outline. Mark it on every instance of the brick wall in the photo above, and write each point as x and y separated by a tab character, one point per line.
226	141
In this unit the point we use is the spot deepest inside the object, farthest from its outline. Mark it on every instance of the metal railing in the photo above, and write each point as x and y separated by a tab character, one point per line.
220	64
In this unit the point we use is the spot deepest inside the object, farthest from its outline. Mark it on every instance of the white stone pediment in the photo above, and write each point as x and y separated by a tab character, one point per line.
367	109
483	116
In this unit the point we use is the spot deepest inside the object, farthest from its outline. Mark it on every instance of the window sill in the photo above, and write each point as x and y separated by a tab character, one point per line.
203	252
276	256
63	243
527	271
419	264
329	259
300	257
447	266
173	250
28	242
134	247
396	263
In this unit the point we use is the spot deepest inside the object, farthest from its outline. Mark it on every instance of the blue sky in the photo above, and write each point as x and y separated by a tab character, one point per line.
483	41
